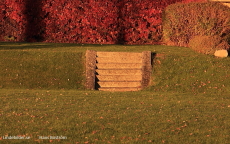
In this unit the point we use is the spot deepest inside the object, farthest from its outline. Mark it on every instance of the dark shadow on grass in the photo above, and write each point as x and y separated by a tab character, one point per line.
153	56
26	45
23	45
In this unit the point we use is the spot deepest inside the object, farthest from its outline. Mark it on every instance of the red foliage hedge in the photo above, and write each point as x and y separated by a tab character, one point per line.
83	21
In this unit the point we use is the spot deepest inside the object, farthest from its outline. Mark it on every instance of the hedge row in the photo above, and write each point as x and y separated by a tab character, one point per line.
183	22
83	21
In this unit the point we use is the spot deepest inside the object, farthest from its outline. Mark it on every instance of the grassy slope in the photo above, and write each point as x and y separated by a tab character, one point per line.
41	68
61	66
153	115
194	73
105	117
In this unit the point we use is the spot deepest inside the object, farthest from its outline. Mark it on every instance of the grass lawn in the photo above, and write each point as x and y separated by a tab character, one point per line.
42	94
61	66
114	117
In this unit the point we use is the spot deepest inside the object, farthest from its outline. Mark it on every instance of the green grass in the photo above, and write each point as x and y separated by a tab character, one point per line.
192	73
61	66
42	94
118	117
41	69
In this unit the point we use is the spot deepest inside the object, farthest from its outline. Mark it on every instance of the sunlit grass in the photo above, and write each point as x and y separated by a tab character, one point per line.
61	66
42	94
106	117
194	73
40	69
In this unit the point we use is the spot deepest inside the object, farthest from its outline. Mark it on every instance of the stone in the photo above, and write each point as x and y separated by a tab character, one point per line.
221	53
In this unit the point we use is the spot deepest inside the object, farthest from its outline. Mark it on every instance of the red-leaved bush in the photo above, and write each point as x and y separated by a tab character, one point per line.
83	21
12	22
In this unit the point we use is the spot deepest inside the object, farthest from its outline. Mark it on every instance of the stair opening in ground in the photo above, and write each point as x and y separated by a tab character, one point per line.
119	71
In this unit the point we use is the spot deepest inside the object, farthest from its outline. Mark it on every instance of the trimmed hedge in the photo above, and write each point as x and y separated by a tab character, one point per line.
182	22
208	44
83	21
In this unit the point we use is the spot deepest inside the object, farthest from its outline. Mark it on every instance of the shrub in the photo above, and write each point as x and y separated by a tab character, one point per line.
83	21
181	22
208	44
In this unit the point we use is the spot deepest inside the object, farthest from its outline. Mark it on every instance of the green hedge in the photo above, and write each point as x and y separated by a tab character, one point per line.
182	22
208	44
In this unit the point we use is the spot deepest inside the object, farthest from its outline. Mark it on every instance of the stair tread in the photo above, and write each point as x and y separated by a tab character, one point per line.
119	81
121	63
119	69
119	89
118	61
119	72
119	84
119	77
109	54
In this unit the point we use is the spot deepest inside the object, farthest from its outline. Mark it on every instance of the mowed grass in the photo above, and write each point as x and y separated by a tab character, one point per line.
61	66
41	69
114	117
42	94
193	73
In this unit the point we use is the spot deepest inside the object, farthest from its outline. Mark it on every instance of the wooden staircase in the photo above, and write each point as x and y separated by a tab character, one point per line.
119	71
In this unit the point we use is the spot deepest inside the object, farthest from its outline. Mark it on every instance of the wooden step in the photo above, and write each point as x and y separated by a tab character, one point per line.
103	84
118	65
119	77
119	89
119	72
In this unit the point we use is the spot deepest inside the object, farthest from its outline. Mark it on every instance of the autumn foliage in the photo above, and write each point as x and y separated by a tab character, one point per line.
183	22
208	44
83	21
